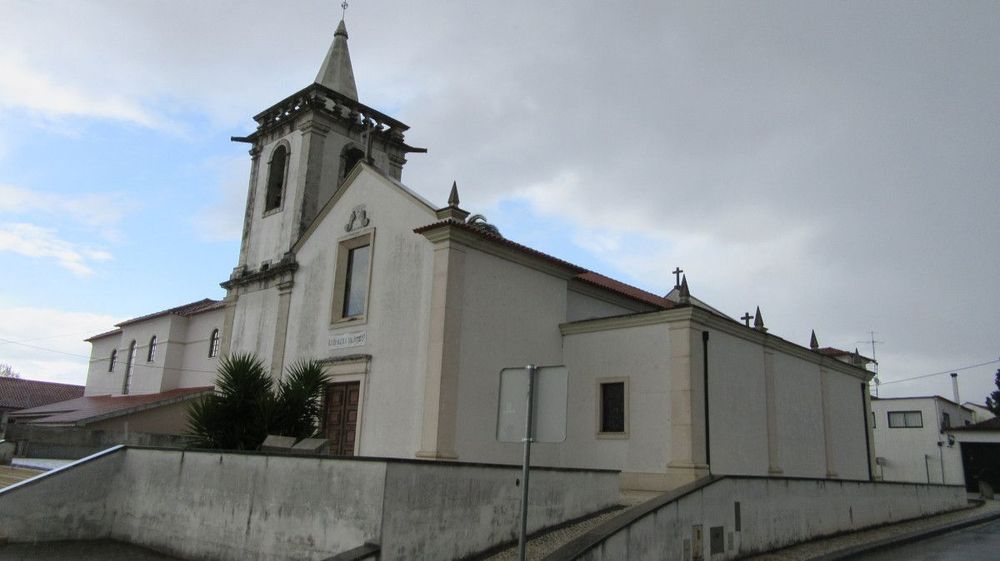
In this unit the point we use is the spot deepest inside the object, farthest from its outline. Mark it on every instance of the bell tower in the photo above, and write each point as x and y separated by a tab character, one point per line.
303	150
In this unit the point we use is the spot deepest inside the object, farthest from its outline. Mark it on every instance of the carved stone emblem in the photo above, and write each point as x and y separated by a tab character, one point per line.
359	219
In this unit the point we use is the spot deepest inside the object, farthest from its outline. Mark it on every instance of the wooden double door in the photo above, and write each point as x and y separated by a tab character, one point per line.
342	400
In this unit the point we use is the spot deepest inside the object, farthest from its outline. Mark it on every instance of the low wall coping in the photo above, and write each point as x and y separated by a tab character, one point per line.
45	475
296	454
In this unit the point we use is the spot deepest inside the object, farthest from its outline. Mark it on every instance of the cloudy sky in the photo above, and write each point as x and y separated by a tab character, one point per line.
833	163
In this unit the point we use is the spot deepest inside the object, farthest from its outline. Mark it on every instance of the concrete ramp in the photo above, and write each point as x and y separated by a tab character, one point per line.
731	517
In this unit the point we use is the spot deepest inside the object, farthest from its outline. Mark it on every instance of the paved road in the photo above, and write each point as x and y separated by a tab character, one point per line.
100	550
976	543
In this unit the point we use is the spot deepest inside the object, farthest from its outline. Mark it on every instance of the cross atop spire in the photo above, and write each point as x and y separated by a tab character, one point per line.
336	72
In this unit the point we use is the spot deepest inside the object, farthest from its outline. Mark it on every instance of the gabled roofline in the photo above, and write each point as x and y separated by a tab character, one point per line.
348	181
499	247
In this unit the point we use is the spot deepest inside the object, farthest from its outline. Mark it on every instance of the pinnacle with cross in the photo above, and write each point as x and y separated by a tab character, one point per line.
746	318
677	277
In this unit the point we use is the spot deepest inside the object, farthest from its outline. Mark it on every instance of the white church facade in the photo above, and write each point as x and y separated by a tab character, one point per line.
414	310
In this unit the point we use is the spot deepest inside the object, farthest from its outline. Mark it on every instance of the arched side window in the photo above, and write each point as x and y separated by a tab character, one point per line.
151	354
349	158
276	178
213	344
111	361
129	367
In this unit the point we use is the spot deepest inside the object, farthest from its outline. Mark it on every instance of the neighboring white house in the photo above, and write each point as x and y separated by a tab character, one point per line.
415	308
911	442
980	413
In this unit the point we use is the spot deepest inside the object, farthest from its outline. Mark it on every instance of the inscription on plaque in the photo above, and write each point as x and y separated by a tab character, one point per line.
345	340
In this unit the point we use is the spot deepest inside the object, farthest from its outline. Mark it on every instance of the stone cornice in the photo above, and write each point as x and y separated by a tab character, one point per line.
285	268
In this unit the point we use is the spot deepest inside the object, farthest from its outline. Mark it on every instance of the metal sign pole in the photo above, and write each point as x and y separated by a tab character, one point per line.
522	542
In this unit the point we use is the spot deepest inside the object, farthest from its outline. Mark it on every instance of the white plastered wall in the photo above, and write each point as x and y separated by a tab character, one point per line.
271	235
510	317
636	354
738	416
913	454
197	368
255	320
395	322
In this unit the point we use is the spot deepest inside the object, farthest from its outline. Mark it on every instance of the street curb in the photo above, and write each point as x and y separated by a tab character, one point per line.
910	537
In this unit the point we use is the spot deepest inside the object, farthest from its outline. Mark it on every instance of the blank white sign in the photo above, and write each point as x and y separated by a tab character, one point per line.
550	404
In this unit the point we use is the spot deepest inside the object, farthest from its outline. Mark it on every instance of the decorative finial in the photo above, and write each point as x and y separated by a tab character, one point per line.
758	321
343	9
813	342
677	276
453	197
746	318
685	293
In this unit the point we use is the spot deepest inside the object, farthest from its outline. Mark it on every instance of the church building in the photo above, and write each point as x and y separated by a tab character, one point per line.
414	308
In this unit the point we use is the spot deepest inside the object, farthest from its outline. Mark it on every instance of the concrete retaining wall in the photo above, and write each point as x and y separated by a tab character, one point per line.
69	443
70	503
251	506
750	515
450	511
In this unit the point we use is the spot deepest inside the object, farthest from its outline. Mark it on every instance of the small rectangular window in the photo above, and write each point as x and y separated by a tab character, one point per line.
906	419
612	408
945	421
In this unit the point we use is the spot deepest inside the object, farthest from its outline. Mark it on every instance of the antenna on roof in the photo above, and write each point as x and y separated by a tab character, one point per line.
874	362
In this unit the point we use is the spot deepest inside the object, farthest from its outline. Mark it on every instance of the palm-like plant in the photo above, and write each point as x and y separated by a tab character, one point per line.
298	402
478	221
245	407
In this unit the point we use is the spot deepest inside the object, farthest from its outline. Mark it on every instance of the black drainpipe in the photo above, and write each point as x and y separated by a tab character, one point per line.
868	444
704	363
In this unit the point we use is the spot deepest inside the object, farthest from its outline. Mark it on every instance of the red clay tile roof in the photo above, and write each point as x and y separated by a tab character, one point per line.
185	310
114	331
23	394
834	353
628	290
83	410
191	309
582	274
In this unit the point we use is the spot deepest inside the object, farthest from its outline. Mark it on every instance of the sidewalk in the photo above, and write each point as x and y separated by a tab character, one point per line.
854	543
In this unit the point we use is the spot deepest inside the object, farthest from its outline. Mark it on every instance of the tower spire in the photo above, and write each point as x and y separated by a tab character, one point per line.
336	72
